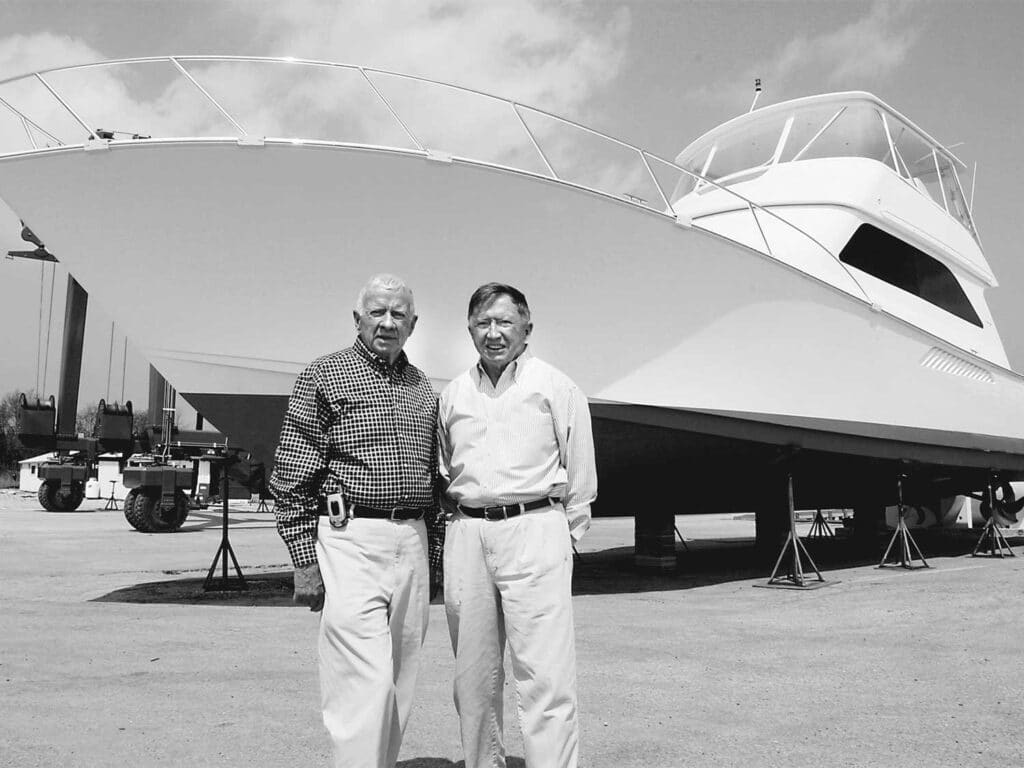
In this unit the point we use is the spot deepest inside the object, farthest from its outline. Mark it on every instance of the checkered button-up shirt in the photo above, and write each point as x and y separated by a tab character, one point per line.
358	426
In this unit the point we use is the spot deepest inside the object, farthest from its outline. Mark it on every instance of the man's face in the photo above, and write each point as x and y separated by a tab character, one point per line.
499	333
386	321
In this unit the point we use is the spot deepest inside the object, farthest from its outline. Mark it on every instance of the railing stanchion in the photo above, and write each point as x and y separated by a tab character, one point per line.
760	229
64	104
409	133
515	108
657	185
205	93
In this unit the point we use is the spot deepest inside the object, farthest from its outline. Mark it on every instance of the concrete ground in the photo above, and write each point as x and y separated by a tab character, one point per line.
112	654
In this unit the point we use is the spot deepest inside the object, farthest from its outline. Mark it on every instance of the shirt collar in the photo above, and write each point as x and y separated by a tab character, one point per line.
512	371
379	362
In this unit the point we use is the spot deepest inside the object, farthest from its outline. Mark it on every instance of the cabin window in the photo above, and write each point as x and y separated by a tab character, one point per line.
917	162
931	173
737	156
900	264
850	130
954	197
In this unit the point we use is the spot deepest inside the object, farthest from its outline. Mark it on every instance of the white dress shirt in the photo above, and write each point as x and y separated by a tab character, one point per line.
523	439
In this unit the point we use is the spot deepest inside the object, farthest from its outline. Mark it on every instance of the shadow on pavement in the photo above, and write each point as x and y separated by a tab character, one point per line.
263	589
441	762
708	561
201	520
605	572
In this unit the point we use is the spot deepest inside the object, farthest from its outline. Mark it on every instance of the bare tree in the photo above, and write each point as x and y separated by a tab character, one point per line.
11	449
85	420
140	419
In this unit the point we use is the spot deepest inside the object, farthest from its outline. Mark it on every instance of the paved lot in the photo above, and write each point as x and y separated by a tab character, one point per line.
112	655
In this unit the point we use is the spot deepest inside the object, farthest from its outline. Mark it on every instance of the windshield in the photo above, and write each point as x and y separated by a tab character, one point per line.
855	128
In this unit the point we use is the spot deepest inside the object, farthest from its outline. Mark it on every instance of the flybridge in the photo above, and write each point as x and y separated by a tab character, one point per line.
853	124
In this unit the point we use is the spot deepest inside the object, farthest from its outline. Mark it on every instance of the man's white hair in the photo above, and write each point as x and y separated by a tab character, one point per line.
387	282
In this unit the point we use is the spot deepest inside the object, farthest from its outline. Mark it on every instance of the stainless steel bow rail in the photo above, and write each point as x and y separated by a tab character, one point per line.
44	116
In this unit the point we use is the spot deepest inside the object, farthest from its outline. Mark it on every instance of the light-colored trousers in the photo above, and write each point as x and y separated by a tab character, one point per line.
513	579
372	628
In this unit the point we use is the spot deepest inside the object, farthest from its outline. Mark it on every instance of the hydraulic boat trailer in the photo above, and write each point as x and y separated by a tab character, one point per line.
160	464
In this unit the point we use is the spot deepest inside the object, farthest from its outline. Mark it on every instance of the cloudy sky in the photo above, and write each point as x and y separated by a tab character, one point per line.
656	73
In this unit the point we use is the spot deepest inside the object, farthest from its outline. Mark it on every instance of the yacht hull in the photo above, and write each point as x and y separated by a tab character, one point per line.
233	266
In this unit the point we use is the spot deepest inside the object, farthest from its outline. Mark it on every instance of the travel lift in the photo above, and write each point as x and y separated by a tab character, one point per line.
160	462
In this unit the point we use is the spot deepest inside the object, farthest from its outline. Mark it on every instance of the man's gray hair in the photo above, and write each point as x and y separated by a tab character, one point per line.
388	282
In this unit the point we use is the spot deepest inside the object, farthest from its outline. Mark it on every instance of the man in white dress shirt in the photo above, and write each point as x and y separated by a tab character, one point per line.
517	452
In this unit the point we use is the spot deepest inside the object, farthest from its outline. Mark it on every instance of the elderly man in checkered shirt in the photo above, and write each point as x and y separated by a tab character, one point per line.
360	423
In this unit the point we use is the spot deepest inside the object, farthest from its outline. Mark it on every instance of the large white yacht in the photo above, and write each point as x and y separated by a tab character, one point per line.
804	282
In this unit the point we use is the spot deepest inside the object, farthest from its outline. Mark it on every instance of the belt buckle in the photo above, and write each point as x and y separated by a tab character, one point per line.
500	508
394	511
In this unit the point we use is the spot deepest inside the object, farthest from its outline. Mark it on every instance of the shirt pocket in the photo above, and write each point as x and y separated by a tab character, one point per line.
344	413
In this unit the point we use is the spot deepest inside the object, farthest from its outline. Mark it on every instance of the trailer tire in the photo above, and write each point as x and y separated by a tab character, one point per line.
134	512
181	508
47	495
71	499
129	507
53	499
148	515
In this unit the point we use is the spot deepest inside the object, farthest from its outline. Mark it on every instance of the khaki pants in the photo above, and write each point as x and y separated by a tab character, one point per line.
511	579
371	630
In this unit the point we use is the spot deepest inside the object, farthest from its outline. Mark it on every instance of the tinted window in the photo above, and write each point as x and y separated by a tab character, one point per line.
890	259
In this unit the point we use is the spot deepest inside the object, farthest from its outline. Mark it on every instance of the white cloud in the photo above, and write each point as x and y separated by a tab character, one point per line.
867	48
557	58
20	54
858	55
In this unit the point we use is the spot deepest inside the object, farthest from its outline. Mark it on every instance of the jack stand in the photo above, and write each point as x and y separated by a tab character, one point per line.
996	541
794	577
224	584
681	539
902	533
820	529
112	501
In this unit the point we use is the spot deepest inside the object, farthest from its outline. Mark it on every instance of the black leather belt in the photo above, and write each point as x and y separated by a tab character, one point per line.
505	511
395	513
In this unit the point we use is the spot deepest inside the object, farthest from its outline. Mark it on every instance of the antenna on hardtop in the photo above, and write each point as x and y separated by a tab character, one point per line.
757	93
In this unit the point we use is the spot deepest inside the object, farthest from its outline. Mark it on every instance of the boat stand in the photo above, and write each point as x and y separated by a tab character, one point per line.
794	578
261	494
820	529
902	536
991	534
112	501
681	539
224	583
